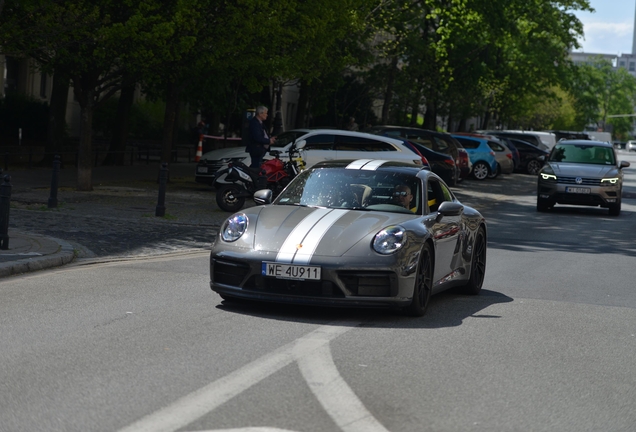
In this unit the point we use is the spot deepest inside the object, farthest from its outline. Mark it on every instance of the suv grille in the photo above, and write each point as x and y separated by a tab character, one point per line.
584	181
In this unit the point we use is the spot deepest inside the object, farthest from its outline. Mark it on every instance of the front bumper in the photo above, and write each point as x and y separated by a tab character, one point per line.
360	284
588	193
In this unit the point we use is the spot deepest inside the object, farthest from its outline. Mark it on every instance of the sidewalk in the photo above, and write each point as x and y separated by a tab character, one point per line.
116	219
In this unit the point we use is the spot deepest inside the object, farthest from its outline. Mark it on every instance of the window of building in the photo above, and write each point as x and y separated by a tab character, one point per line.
631	66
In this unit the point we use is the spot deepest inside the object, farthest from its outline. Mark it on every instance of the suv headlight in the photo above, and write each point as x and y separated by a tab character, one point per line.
234	227
389	240
545	176
612	180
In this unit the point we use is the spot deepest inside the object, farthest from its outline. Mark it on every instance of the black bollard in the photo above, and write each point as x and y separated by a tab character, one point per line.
163	180
54	182
5	201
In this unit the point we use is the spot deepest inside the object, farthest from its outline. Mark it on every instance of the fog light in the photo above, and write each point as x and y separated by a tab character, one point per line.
544	196
611	200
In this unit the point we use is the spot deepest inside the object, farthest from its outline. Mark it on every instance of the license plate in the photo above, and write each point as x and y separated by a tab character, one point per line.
202	170
578	190
290	271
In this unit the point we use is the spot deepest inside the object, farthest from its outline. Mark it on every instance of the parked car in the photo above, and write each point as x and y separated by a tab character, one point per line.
543	140
481	156
516	156
320	145
441	164
531	157
436	141
630	145
584	173
503	155
352	233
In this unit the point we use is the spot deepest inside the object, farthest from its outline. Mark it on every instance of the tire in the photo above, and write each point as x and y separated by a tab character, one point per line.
543	205
228	199
477	265
423	284
481	170
533	167
615	209
496	173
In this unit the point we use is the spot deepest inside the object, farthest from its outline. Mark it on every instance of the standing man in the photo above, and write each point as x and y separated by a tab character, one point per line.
259	140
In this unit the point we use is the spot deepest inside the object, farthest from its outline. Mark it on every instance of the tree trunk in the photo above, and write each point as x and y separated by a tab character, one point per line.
388	94
430	116
85	156
172	100
120	132
57	116
303	98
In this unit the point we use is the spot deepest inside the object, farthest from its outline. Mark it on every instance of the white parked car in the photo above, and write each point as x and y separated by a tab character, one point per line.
320	145
630	146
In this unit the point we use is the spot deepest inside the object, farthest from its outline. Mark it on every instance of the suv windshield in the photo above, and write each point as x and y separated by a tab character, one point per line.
583	153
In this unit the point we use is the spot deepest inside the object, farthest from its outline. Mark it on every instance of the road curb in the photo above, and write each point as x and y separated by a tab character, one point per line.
64	255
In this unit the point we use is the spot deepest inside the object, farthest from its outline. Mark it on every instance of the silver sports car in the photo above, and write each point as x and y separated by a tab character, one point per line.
352	233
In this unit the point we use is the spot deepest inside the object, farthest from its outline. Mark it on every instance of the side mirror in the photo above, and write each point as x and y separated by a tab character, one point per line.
263	196
449	208
624	164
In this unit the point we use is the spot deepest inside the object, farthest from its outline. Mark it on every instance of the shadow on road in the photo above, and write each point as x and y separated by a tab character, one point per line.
448	309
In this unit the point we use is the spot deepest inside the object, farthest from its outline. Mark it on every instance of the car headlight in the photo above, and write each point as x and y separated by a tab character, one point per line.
612	180
389	240
545	176
234	227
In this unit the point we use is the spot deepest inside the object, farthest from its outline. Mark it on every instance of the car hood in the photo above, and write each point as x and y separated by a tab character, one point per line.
582	170
298	233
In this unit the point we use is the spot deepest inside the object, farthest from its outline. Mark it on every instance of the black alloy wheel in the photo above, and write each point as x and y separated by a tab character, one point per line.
423	284
228	199
533	167
543	205
615	209
478	264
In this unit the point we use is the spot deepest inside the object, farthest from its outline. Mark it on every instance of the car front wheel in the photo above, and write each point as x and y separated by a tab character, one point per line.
481	171
543	205
423	284
615	209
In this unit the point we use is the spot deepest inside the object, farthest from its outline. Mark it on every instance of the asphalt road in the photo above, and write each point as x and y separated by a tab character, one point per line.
145	345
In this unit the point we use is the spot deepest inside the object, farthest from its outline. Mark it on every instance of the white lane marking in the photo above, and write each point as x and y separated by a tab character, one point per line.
288	249
331	390
374	165
311	241
249	429
358	163
200	402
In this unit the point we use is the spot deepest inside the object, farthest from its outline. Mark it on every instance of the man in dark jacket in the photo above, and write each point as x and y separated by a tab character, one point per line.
259	139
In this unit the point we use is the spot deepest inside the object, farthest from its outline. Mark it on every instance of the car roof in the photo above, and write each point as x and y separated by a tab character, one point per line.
585	142
341	132
378	164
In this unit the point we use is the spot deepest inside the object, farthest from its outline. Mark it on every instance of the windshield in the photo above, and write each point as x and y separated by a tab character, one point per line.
583	153
286	137
354	189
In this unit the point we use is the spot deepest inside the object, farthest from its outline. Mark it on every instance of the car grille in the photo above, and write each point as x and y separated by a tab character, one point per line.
229	272
213	165
372	284
303	288
583	199
584	181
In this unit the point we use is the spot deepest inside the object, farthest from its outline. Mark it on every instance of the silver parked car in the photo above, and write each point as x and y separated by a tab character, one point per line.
630	145
352	233
581	172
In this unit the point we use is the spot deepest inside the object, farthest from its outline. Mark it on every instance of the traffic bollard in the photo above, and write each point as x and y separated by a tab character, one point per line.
5	201
163	179
54	182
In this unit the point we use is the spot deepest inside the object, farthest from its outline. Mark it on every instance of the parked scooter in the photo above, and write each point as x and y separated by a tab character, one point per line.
241	181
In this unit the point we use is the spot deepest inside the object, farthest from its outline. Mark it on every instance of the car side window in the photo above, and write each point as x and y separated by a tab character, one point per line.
319	142
436	194
495	146
347	143
468	143
442	146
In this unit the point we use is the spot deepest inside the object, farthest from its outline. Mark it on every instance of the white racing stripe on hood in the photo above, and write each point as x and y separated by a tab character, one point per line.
308	232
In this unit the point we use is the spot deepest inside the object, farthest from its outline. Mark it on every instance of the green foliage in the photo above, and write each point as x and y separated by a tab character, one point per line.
145	119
